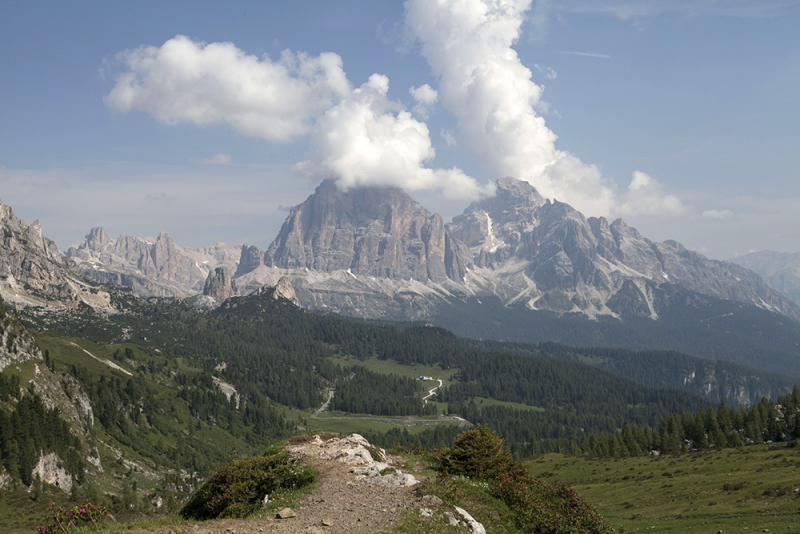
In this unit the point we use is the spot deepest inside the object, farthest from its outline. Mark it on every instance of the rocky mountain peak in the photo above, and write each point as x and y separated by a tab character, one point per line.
96	240
497	222
219	284
512	191
375	231
32	269
152	266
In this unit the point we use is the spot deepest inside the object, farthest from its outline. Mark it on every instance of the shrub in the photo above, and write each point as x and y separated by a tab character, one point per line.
537	506
237	489
62	520
478	452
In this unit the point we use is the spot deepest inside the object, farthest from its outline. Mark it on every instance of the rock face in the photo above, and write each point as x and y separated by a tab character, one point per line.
219	284
379	232
549	256
152	266
781	270
33	271
354	450
49	469
377	253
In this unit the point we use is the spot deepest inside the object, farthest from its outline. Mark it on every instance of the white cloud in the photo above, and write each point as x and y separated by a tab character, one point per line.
469	47
449	138
218	159
547	72
424	94
365	141
717	214
426	97
645	196
207	84
358	136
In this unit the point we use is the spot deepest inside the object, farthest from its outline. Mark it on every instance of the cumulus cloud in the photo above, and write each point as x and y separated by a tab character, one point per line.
218	159
645	196
366	141
426	97
717	215
358	136
207	84
469	47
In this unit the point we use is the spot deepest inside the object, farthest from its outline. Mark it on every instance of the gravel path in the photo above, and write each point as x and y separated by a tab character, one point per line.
339	504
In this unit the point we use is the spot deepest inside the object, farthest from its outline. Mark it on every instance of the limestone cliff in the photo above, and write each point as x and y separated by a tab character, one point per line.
33	270
219	284
379	232
152	266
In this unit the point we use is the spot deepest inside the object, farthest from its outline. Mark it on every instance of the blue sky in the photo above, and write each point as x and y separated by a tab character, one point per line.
697	104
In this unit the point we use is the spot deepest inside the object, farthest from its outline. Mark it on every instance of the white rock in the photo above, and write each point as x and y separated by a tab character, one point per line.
474	526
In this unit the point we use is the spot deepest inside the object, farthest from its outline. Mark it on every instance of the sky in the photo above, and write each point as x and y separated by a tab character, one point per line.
210	120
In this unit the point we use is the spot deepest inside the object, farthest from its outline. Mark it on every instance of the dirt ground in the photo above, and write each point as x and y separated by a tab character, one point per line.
339	504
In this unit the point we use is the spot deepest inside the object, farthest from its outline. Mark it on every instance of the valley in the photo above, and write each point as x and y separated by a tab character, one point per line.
573	339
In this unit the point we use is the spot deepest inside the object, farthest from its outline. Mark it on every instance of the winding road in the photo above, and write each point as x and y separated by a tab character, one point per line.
432	392
327	402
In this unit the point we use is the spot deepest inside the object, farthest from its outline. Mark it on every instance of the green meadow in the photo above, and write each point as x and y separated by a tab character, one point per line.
745	490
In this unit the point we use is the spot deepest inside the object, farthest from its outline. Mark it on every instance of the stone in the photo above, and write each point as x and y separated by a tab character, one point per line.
425	512
474	526
328	522
285	513
432	500
451	519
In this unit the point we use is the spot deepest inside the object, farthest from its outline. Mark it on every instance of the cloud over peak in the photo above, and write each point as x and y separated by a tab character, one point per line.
482	81
358	136
208	84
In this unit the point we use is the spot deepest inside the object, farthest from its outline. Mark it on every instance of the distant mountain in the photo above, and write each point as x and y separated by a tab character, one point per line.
781	270
375	252
33	270
152	266
550	257
550	272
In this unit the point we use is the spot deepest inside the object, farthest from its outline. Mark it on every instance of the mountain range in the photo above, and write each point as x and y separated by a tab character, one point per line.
548	271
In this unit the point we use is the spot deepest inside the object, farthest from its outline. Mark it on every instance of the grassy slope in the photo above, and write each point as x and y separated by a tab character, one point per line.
733	490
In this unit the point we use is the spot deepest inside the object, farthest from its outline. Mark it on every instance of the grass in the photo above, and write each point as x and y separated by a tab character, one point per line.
347	423
388	367
485	401
733	490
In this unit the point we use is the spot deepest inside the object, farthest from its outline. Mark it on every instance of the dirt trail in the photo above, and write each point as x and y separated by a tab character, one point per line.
343	503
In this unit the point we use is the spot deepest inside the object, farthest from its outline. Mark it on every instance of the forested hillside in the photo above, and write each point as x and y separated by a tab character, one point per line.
260	344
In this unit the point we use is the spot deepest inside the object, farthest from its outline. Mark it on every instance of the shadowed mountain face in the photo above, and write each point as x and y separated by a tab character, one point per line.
379	232
781	270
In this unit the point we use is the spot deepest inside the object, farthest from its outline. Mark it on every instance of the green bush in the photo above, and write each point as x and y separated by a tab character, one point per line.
475	453
237	489
536	506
